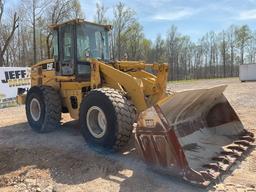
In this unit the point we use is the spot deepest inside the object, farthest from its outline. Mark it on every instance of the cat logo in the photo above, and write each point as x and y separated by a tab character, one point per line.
49	66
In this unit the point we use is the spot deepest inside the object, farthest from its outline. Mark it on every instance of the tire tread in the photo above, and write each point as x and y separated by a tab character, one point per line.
125	115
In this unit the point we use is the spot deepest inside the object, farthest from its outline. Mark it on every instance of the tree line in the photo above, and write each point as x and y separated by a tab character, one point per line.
25	39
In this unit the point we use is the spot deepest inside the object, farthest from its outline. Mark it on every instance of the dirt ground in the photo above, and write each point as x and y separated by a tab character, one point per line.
61	161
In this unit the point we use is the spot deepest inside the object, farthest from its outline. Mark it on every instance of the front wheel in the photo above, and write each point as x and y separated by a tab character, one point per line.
43	109
106	119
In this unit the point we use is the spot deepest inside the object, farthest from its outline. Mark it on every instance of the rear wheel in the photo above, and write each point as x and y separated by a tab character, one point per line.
43	109
106	119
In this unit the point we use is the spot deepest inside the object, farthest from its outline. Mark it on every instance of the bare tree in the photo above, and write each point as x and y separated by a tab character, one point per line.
159	46
75	9
223	48
135	37
231	40
35	10
101	11
251	49
171	46
59	11
243	34
9	33
123	18
1	9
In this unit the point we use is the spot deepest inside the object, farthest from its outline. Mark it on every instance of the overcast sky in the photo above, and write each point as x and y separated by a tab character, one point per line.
192	17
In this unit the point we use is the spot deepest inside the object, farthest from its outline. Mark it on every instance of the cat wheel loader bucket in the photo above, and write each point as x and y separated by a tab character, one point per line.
195	134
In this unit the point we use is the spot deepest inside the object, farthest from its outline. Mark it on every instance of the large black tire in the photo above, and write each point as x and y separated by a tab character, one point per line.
119	115
46	117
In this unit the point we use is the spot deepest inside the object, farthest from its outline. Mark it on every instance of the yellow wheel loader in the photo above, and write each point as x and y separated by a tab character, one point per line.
195	134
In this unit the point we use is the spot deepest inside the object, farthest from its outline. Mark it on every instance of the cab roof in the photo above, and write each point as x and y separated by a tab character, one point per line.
77	22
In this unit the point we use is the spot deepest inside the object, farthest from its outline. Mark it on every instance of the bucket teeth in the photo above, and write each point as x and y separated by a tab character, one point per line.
215	166
242	142
222	159
227	157
247	138
237	148
247	133
207	175
231	153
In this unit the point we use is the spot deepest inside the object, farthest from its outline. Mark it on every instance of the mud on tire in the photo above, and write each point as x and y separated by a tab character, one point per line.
43	109
119	114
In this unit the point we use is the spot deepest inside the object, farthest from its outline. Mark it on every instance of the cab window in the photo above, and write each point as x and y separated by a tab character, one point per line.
67	43
55	45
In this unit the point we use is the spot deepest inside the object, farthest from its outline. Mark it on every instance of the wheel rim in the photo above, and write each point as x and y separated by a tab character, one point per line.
35	109
96	122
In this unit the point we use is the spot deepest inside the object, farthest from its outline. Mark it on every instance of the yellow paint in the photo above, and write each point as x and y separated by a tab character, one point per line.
143	88
21	99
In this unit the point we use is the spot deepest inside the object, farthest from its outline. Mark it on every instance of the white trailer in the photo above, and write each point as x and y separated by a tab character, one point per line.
247	72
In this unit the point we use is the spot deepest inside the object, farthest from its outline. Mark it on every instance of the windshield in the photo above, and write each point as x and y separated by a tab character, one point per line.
92	42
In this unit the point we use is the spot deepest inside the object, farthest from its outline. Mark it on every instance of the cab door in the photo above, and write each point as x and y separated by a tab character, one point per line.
83	71
67	58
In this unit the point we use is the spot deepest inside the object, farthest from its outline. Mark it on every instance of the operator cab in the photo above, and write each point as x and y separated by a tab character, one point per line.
74	42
